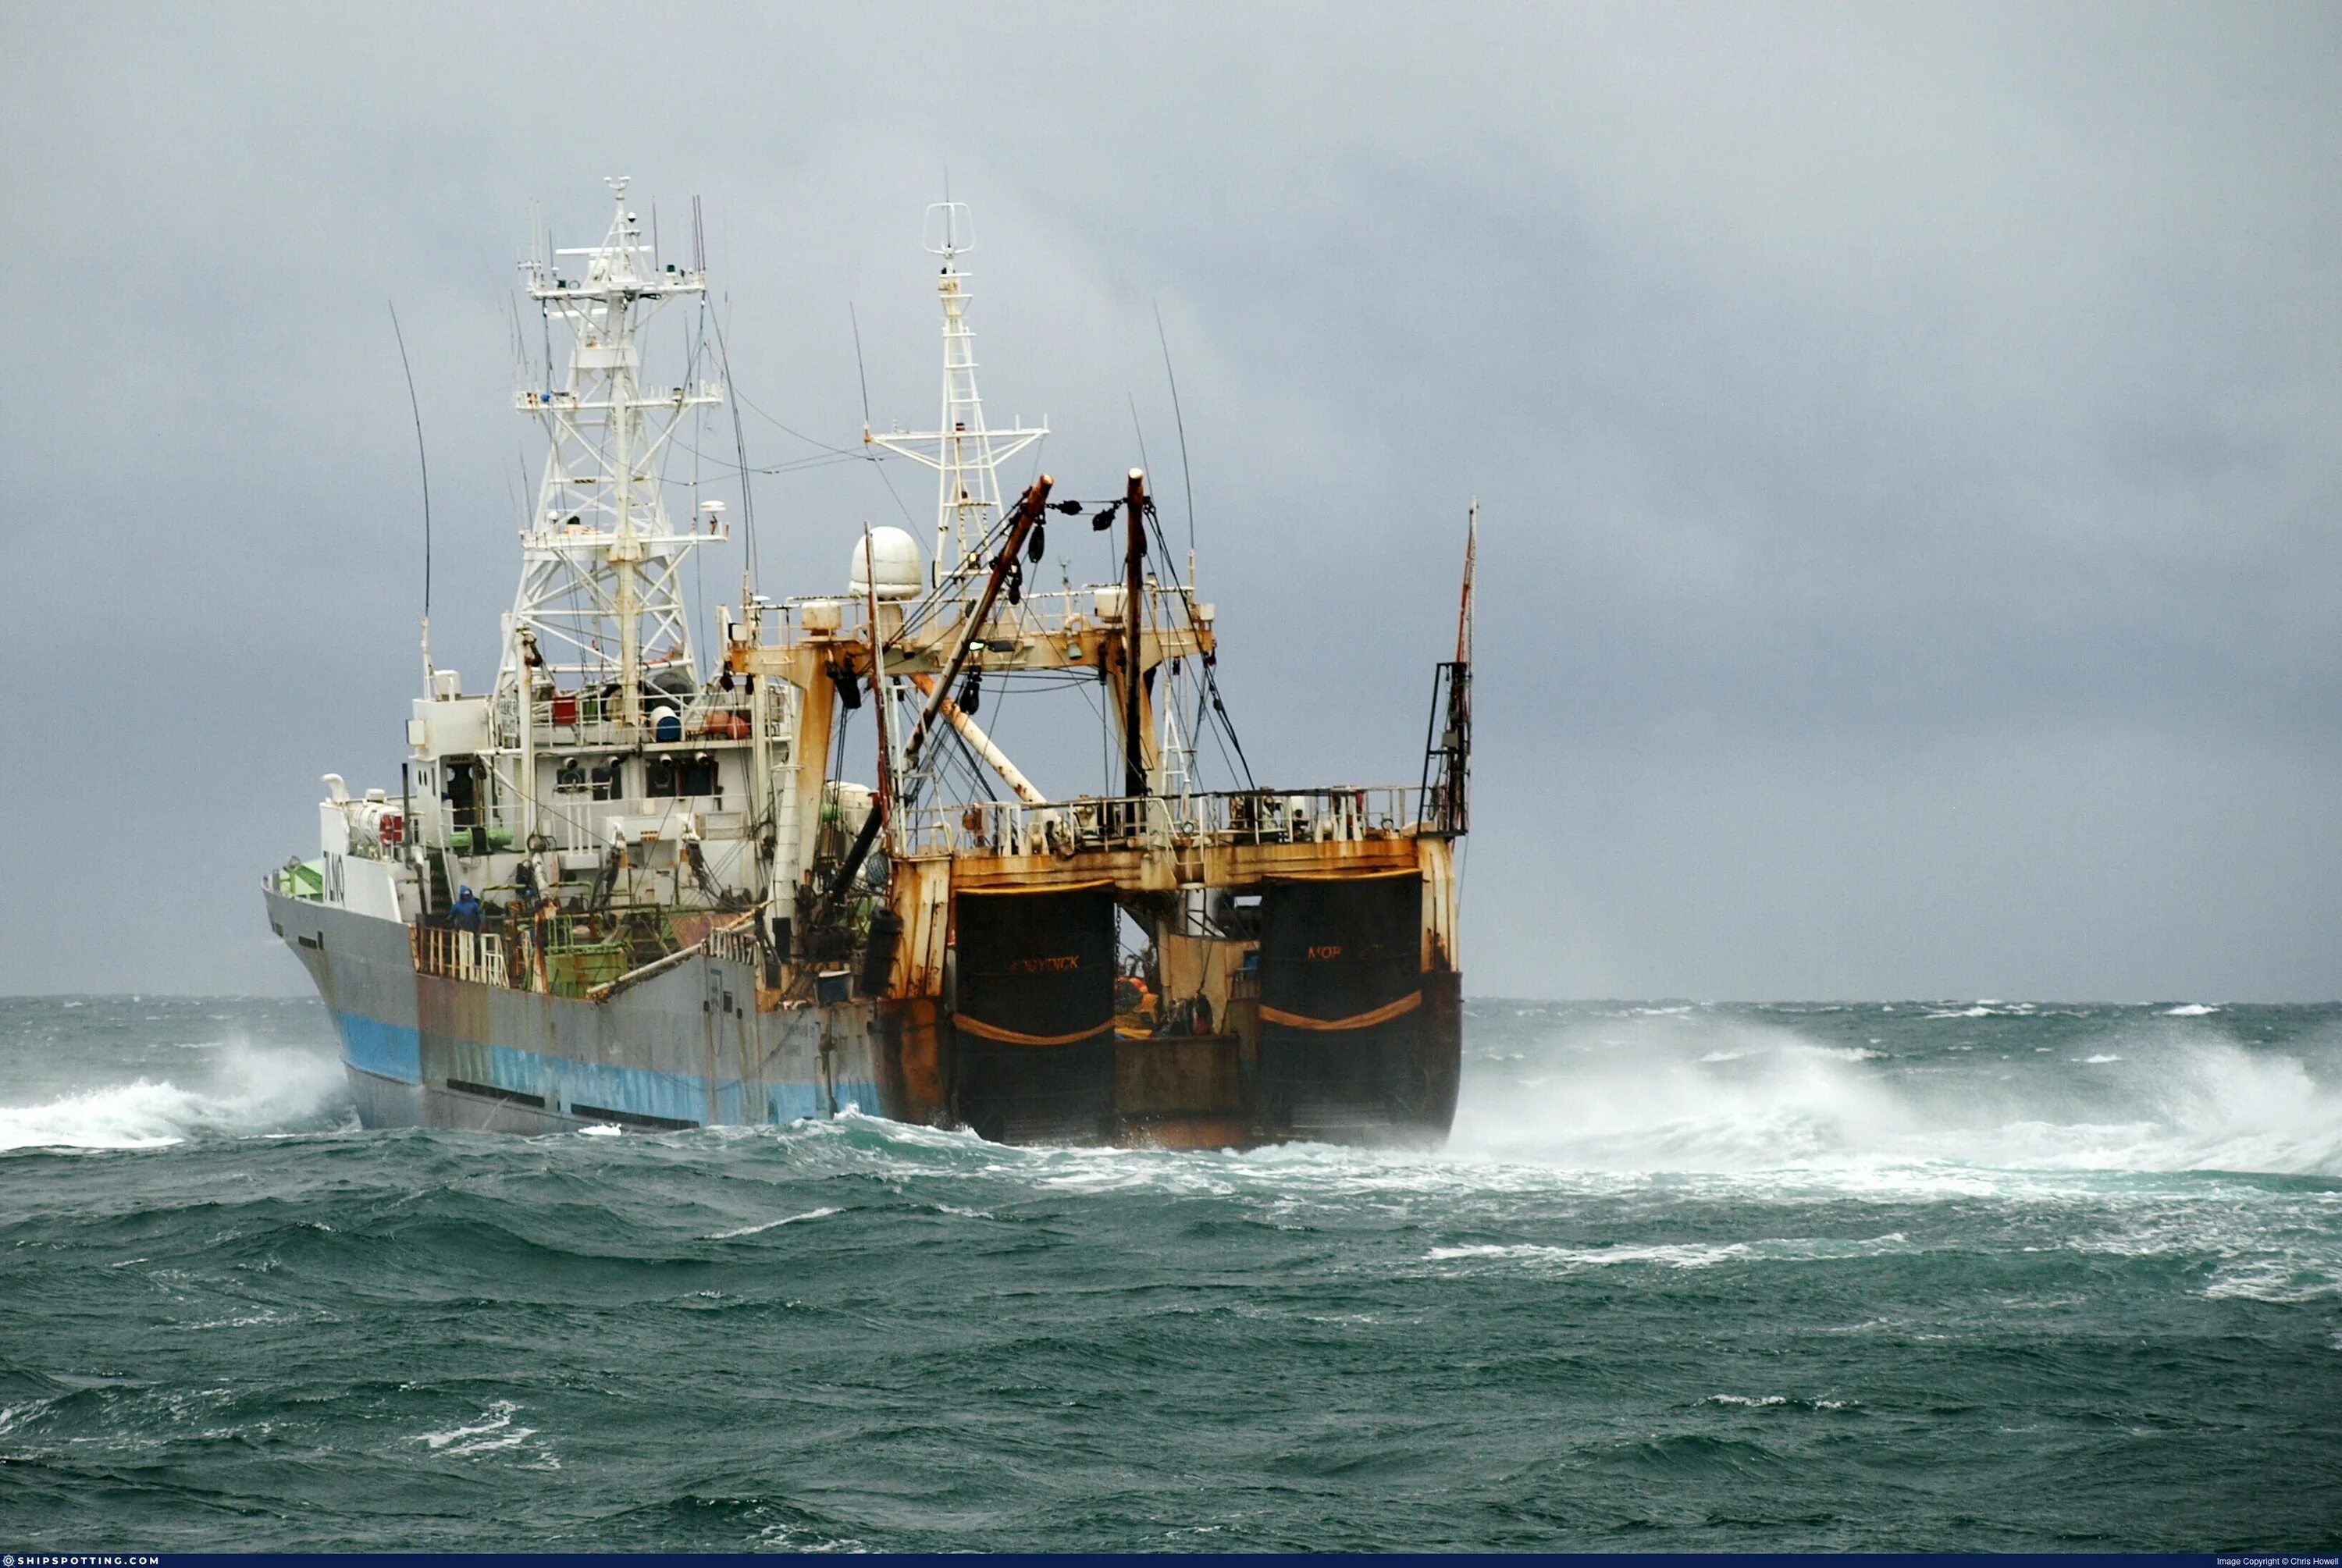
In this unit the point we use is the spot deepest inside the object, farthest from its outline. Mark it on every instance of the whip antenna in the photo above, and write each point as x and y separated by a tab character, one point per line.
422	461
860	374
1186	482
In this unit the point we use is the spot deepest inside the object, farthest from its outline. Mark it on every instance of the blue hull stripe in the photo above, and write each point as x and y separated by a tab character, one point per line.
395	1050
384	1050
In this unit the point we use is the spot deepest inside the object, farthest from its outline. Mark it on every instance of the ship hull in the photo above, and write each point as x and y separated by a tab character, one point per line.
690	1047
686	1048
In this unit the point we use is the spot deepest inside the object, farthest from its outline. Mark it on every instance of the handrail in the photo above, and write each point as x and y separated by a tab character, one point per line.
586	718
705	944
1065	828
477	956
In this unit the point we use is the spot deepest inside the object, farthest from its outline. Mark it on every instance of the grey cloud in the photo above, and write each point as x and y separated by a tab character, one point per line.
1907	438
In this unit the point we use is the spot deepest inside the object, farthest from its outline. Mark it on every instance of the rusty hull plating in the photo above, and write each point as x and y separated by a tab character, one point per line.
1340	1021
1298	974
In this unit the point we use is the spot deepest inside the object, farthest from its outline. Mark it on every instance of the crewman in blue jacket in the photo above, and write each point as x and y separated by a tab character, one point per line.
466	910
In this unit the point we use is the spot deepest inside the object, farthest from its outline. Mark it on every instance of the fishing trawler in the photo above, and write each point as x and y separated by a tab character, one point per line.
632	886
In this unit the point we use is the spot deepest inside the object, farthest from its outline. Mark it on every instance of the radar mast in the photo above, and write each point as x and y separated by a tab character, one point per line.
963	452
601	585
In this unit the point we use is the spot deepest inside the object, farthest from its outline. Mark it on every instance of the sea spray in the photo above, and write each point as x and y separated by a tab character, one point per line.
243	1090
1724	1091
1690	1276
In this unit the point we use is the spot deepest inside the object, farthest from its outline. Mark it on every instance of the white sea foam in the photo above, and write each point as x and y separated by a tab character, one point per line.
492	1433
2188	1010
1719	1094
2276	1279
251	1090
499	1421
769	1225
1677	1255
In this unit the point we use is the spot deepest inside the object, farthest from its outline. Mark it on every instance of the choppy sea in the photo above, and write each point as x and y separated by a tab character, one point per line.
1966	1276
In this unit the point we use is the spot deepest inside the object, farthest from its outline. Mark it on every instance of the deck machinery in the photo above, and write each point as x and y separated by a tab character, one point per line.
627	887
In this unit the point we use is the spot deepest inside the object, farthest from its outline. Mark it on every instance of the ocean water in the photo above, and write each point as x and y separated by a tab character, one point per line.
1950	1277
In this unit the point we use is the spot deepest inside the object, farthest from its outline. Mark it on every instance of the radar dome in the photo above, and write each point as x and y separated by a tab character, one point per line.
899	574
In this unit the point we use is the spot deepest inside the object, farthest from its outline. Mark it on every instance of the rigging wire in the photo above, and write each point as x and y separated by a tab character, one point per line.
876	455
792	430
829	453
1211	674
879	467
875	458
739	440
790	465
1171	570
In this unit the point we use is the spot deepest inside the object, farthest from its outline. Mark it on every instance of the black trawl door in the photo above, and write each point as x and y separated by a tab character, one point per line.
1341	1005
1033	1014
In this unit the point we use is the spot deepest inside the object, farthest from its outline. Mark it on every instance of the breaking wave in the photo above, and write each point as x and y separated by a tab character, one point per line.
1723	1093
249	1090
1801	1267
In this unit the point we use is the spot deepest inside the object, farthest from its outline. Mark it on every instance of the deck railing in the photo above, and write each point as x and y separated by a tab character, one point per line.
576	823
561	955
736	942
455	954
590	718
1066	828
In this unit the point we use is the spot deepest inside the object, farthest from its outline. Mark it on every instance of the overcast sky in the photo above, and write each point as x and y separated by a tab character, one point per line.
1909	440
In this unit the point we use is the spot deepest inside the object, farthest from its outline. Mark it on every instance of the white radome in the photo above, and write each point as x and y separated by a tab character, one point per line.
900	574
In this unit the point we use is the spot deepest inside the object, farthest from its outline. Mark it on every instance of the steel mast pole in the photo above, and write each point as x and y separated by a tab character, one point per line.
1133	588
625	549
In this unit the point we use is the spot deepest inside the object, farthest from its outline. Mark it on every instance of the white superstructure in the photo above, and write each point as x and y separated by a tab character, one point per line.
602	759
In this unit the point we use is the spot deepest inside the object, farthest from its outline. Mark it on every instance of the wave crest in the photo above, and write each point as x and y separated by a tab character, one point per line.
252	1090
1721	1093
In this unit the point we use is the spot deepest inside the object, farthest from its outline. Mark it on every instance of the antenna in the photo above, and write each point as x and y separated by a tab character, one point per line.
1137	429
1471	558
860	374
423	462
964	453
1186	482
949	230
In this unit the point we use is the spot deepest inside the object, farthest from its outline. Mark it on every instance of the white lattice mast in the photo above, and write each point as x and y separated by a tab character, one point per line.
601	587
964	453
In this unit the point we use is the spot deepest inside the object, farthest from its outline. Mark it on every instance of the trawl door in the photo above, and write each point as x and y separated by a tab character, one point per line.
1341	1005
1033	1014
